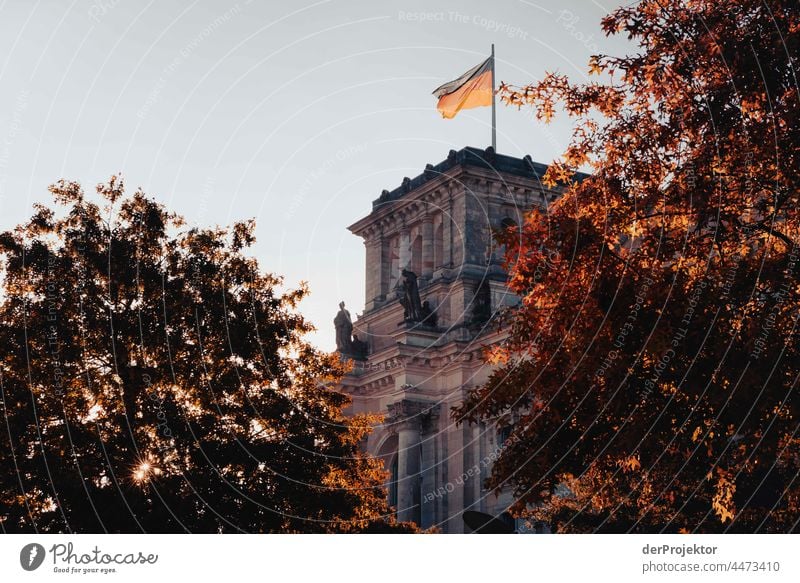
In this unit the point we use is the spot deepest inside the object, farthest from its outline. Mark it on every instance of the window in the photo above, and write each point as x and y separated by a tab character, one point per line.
503	434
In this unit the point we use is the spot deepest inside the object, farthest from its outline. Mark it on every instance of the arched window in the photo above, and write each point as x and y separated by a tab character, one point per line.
388	454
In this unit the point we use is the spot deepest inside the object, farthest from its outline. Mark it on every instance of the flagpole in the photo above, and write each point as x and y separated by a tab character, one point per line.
494	118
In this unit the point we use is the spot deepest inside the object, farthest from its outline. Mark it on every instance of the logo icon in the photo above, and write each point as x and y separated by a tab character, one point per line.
31	556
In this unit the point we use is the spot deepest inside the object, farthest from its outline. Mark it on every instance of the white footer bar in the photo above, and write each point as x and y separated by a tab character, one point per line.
400	558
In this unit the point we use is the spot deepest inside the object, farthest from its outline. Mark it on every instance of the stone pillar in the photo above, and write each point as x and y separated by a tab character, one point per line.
447	228
378	268
430	463
408	471
374	270
405	249
427	247
475	234
386	266
406	418
484	445
454	492
492	211
469	466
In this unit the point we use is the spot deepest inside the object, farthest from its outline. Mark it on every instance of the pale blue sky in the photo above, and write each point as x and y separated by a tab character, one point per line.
295	113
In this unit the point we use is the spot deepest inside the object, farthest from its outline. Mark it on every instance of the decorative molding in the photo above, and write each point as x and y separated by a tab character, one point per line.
410	411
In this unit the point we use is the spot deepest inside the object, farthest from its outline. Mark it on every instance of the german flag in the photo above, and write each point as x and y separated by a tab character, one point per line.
473	89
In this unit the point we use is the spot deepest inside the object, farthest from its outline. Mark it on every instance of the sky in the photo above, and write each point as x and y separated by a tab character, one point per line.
297	114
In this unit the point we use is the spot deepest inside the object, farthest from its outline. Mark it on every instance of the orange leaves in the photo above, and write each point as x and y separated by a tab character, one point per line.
496	355
595	67
66	192
630	463
685	196
552	91
545	111
722	502
558	173
753	107
112	190
607	100
575	156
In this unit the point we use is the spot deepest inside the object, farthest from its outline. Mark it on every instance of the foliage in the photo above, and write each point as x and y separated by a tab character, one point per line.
155	379
652	365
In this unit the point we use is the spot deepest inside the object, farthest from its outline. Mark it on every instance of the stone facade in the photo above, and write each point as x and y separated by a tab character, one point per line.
438	225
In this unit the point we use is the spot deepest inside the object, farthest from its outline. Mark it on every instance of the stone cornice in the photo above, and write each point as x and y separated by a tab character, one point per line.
469	168
378	373
411	414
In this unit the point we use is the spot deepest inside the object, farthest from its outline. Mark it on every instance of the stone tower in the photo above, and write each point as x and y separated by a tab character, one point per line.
414	367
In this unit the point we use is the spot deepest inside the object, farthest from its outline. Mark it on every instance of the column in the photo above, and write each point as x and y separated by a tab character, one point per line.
492	211
454	492
447	223
408	477
373	269
430	483
405	249
468	453
386	266
406	418
427	247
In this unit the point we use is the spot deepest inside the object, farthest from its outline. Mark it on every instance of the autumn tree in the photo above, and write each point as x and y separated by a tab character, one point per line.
154	379
651	372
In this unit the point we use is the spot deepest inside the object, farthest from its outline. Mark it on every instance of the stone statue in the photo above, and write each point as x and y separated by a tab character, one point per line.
429	316
410	297
344	330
